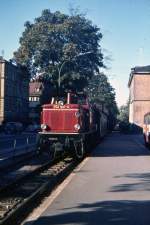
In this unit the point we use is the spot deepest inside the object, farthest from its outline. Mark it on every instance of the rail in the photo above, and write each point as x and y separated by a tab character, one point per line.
17	201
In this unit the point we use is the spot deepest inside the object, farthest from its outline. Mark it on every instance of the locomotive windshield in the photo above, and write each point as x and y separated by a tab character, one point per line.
71	99
78	99
82	100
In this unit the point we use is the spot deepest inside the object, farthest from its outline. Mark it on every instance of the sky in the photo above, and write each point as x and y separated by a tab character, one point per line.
125	25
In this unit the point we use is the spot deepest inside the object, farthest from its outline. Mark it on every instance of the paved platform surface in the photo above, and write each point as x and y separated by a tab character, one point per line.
112	188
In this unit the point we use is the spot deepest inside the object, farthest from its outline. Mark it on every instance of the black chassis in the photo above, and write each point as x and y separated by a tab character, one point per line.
45	140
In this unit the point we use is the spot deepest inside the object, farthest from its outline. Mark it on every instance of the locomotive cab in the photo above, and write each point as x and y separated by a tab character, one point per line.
65	115
67	125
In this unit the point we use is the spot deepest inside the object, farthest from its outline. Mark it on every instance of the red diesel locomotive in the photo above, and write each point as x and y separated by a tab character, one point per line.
72	125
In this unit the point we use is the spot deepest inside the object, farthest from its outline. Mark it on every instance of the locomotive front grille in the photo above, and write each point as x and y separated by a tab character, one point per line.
56	120
61	120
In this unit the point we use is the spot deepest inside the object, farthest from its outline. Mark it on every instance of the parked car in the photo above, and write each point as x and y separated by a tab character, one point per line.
13	127
117	128
146	130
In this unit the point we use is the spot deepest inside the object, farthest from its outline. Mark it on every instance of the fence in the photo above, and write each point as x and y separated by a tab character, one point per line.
13	147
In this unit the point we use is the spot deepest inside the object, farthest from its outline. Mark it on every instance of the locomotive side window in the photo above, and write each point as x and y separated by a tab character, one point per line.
74	99
82	99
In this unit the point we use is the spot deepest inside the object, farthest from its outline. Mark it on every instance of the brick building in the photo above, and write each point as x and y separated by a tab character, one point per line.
139	100
39	93
35	91
14	92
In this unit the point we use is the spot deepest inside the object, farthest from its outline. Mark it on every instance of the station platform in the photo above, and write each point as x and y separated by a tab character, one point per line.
111	187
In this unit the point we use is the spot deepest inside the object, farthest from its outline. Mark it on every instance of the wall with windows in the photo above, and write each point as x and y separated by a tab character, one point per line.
139	98
15	85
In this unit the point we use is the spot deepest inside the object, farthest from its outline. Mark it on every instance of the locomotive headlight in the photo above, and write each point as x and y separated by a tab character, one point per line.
61	103
43	126
77	114
77	127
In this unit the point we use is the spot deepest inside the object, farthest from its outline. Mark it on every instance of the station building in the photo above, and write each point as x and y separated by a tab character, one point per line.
35	91
139	96
40	93
14	92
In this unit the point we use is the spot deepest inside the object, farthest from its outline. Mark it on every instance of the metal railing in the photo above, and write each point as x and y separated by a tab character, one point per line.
17	146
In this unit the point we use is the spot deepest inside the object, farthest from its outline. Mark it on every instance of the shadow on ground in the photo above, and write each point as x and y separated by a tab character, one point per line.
140	182
117	144
102	213
112	212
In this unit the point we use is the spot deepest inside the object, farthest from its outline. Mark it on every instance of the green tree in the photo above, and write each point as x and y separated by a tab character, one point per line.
124	113
123	118
63	48
101	91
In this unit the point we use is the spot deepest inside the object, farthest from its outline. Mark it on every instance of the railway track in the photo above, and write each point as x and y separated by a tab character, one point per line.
17	200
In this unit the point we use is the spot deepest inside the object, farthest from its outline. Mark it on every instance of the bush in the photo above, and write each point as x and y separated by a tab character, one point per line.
124	127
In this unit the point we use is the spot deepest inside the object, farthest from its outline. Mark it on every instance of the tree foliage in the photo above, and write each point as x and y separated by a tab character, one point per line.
123	118
124	113
101	92
58	44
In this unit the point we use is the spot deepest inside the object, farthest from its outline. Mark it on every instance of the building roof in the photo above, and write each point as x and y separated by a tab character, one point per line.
138	70
10	62
141	69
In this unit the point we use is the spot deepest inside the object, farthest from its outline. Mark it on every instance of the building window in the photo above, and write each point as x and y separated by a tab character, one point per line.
37	89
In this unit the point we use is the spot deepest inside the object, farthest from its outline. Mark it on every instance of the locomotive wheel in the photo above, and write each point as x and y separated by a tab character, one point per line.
79	148
51	152
52	155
